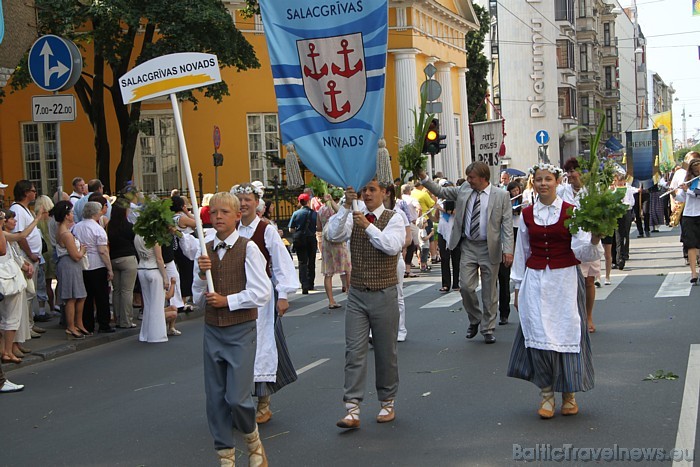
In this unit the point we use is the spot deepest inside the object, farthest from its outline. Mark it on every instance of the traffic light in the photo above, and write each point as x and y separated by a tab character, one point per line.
433	143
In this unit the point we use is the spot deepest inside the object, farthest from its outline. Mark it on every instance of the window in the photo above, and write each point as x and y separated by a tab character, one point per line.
564	10
584	118
567	103
565	54
581	8
608	77
263	147
584	57
609	120
606	34
157	164
40	147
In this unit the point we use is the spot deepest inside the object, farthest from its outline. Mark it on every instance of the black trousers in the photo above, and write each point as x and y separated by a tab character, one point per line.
622	237
504	285
450	279
306	254
97	287
641	212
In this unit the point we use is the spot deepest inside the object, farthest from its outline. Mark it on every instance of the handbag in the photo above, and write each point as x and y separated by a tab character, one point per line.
12	279
85	262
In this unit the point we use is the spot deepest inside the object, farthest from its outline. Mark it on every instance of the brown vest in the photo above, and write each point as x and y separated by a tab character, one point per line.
371	268
229	278
259	239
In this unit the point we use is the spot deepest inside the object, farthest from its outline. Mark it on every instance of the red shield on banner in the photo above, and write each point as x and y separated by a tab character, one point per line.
333	73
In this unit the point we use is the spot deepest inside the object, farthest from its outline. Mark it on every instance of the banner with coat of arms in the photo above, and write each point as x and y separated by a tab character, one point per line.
329	68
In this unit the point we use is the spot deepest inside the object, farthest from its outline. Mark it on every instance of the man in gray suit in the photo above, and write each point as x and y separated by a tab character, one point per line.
483	229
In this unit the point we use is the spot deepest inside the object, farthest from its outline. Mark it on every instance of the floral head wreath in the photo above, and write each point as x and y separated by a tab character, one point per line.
248	190
548	167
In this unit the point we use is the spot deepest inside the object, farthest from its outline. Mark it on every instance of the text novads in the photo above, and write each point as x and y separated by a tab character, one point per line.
162	73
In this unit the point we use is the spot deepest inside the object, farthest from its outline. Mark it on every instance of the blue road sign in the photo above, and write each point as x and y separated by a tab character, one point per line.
542	137
53	62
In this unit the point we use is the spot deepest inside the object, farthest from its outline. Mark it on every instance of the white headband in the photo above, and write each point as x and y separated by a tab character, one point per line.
548	167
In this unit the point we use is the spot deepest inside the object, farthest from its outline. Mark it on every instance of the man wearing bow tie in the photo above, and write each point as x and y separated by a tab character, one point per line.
376	239
483	230
241	286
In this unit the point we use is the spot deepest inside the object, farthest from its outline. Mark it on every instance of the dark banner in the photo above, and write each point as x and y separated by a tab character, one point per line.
642	156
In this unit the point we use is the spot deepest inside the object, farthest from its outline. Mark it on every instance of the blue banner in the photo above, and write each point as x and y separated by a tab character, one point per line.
642	152
2	24
329	68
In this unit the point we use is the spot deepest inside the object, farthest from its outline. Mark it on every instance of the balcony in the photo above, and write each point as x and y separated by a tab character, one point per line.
610	50
611	93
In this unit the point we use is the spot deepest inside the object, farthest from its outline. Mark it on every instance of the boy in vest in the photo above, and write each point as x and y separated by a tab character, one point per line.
241	287
376	238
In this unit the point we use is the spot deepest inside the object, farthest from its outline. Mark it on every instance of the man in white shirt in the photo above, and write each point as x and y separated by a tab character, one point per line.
79	189
93	186
24	192
241	287
377	236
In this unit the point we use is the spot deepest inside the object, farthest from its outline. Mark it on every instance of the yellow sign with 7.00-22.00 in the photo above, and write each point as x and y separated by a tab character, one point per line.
169	74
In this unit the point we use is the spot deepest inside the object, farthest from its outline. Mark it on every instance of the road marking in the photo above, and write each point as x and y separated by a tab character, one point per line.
414	289
308	309
445	301
685	438
312	365
603	292
676	284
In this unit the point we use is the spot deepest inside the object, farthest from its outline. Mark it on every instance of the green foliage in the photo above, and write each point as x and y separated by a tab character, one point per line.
155	222
319	186
600	207
478	63
411	155
660	375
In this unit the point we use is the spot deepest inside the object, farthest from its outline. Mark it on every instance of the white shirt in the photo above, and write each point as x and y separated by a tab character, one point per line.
90	234
692	202
566	192
257	289
484	196
413	207
24	219
389	241
75	196
284	276
628	199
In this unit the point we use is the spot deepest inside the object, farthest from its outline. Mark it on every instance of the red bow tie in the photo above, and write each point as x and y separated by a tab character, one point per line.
371	218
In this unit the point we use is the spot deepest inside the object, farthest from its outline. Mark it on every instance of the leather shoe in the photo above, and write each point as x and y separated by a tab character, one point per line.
503	321
42	318
107	330
38	329
621	265
489	338
472	330
305	291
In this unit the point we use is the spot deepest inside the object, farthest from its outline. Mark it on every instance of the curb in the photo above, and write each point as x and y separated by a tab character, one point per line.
70	347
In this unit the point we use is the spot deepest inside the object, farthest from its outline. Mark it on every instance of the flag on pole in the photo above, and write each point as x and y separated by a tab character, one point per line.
642	151
662	121
329	68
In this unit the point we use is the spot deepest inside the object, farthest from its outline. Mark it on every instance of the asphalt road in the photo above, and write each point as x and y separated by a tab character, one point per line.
135	404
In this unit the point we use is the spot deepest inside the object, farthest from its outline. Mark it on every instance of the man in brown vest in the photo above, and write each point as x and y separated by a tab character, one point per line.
241	287
376	238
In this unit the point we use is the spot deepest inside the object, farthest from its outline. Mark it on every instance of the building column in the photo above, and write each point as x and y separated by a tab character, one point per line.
464	159
448	156
406	93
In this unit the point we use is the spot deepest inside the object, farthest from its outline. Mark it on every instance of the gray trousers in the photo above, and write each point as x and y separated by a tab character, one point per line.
123	294
379	311
229	358
474	260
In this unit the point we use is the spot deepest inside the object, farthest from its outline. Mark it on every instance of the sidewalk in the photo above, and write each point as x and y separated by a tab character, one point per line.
54	342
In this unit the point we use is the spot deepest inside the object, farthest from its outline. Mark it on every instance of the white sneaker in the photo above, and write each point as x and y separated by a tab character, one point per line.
9	386
607	282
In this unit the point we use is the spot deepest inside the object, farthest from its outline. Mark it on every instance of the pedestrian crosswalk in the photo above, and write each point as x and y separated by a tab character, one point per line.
673	284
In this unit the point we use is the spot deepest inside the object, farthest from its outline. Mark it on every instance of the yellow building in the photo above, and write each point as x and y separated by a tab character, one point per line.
420	32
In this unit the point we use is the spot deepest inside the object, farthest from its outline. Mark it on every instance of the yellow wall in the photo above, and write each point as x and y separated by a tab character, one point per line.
250	92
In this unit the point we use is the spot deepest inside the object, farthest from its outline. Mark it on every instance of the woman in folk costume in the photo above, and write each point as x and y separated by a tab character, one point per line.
273	366
551	347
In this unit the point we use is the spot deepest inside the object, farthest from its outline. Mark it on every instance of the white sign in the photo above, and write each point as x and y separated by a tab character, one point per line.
488	137
56	108
169	74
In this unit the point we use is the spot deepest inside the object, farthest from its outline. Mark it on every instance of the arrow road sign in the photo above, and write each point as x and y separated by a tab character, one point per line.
542	137
54	63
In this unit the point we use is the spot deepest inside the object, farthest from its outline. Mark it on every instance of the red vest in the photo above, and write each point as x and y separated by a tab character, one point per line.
549	245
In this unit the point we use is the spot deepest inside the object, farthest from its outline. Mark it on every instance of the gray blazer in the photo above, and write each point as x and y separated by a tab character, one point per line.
499	231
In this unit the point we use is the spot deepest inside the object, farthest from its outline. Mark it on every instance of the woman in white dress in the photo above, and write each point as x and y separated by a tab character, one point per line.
153	279
551	347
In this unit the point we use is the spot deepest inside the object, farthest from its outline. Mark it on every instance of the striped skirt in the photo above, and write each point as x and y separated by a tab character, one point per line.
565	372
286	373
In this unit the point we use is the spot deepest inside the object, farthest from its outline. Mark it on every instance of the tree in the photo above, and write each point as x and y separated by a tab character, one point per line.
123	33
477	84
